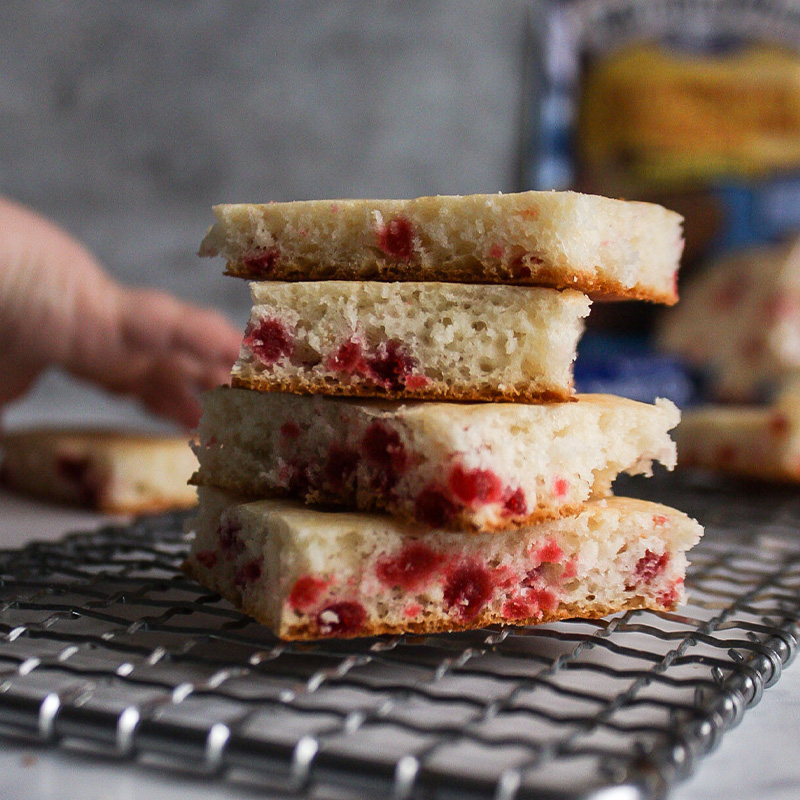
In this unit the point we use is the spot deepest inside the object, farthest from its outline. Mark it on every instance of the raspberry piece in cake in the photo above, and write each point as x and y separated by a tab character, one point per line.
396	238
427	340
564	240
467	591
114	471
475	487
311	574
412	566
477	466
268	340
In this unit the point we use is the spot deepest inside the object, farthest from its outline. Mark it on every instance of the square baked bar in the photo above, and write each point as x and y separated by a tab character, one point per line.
566	240
309	574
474	466
445	341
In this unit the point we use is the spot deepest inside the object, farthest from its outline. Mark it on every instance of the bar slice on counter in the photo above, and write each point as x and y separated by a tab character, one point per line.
425	340
753	441
739	321
564	240
109	470
309	574
474	466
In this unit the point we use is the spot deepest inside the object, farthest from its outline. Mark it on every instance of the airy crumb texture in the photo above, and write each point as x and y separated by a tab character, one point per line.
565	240
739	320
477	466
753	441
425	340
113	471
311	574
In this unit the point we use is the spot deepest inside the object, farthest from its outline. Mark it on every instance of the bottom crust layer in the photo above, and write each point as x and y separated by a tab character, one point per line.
309	632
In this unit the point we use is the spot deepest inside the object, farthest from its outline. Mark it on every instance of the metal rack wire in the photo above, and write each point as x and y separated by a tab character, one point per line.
105	644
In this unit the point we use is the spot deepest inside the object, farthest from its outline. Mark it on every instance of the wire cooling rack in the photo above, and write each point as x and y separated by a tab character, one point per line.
104	644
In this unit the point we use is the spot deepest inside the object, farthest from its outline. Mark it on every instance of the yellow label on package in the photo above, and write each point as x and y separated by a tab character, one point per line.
656	116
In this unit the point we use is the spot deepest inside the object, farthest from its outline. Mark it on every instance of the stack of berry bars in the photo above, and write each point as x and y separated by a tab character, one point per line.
401	449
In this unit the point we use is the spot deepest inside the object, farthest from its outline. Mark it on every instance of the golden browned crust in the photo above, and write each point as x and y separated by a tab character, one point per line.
447	624
554	276
513	394
438	624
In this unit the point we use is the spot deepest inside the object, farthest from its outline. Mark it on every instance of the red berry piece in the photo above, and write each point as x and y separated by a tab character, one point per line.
467	590
383	449
650	566
542	600
517	608
504	577
534	577
76	471
549	552
560	487
477	487
341	619
570	569
249	573
659	520
434	508
515	504
290	430
412	610
390	365
496	252
340	466
208	558
72	469
669	598
228	533
263	262
269	340
306	592
396	239
348	359
415	382
410	568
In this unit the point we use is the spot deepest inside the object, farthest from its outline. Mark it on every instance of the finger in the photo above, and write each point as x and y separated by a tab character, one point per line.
169	388
156	322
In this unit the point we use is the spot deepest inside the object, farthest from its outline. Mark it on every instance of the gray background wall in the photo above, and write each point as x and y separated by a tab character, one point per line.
125	121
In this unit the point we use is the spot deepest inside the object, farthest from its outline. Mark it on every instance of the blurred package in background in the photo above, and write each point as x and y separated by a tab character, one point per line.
694	104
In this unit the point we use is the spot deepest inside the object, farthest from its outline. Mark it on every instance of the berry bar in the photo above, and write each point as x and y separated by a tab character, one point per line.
564	240
109	470
475	466
310	574
740	322
759	442
425	340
